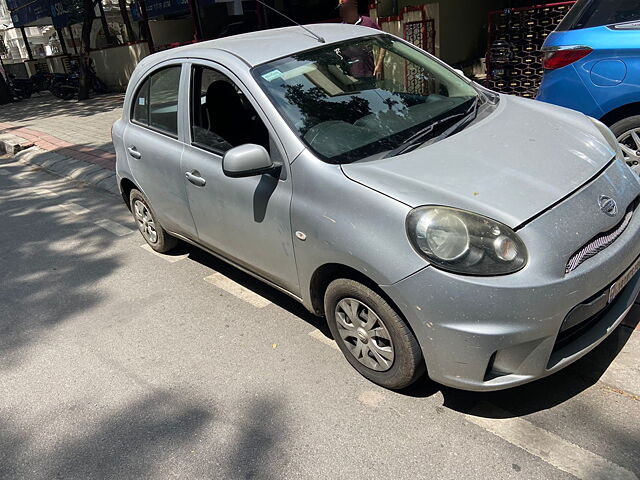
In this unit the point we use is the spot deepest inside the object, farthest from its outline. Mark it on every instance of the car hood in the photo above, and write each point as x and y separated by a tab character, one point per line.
522	158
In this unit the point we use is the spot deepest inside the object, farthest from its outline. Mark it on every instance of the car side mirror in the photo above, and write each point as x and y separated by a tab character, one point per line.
247	161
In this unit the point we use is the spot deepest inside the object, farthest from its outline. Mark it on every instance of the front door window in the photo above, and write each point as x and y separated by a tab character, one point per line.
222	117
247	220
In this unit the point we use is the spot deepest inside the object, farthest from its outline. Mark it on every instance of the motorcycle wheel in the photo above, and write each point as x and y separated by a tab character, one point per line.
99	86
63	92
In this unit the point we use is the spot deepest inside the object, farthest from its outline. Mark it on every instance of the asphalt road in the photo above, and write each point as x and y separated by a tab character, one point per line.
119	363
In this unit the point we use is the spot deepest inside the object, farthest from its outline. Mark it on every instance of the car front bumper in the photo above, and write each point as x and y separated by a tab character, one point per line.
511	338
491	333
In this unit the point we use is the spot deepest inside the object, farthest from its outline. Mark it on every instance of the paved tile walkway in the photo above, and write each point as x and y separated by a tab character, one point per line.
79	130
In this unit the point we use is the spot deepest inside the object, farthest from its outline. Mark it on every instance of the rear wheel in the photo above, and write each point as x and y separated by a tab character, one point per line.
64	92
99	86
627	131
153	233
372	336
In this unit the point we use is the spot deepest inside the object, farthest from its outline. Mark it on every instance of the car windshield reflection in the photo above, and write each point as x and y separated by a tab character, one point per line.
345	112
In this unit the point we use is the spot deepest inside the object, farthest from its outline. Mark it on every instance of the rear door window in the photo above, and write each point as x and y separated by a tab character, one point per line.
156	103
141	105
596	13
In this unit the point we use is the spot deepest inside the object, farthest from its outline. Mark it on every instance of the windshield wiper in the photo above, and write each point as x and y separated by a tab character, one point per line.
459	125
418	137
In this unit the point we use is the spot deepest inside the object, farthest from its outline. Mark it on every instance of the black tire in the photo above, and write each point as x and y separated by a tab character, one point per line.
161	242
99	86
54	90
67	94
407	364
63	92
625	125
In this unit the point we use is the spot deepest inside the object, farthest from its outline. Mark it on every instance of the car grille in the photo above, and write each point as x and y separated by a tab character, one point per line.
600	241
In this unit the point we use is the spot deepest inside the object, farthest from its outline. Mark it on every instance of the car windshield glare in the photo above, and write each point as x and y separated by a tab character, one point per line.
345	110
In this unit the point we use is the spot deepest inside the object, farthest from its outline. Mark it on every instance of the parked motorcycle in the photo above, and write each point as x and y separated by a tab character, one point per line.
41	81
21	88
67	85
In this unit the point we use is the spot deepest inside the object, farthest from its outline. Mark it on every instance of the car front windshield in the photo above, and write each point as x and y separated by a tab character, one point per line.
345	108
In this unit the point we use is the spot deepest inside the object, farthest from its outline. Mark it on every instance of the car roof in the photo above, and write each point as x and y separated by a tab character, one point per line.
259	47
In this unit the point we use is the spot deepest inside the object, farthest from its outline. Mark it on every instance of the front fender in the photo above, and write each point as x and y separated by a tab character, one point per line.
346	223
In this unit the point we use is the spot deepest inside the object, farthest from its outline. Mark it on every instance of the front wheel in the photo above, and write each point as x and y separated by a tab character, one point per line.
63	92
375	340
627	132
155	236
99	86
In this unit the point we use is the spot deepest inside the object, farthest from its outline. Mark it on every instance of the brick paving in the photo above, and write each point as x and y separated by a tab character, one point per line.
78	130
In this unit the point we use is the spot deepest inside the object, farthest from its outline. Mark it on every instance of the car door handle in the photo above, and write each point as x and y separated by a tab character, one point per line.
134	153
195	178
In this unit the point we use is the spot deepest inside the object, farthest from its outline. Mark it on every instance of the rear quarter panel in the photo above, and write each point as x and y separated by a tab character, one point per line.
603	81
122	165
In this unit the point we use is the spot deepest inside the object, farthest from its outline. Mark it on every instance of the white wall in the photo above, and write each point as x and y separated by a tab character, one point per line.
115	65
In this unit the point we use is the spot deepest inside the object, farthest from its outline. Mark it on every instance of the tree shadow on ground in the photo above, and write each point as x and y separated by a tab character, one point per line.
50	106
521	401
163	434
273	295
43	281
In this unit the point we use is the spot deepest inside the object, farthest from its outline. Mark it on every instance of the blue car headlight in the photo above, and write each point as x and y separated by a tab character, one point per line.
464	242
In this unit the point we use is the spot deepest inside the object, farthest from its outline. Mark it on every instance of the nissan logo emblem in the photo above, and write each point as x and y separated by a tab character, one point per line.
608	205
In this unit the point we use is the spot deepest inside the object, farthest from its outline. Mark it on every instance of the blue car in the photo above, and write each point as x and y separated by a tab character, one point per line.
592	64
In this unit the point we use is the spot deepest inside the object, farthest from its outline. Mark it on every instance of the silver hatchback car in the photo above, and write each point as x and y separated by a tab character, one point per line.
438	226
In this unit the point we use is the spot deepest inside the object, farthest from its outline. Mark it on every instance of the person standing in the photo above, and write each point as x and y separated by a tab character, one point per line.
364	67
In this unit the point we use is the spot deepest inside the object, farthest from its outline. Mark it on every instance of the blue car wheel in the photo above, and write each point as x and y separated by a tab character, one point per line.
627	131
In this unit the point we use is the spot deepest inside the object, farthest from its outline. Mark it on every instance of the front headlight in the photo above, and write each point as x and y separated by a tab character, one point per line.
609	136
464	242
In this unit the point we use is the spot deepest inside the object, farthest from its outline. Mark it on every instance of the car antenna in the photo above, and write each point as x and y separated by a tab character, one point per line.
320	39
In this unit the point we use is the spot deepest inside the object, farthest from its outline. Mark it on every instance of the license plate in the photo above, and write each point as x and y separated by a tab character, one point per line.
622	282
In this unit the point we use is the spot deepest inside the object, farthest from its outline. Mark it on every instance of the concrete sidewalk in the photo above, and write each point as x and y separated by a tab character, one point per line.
69	138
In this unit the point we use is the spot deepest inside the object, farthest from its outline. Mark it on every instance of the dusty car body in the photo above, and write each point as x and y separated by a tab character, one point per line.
488	239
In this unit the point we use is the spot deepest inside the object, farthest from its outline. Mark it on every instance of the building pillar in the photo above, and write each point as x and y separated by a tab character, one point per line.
73	40
105	26
197	22
263	22
63	44
145	24
26	43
